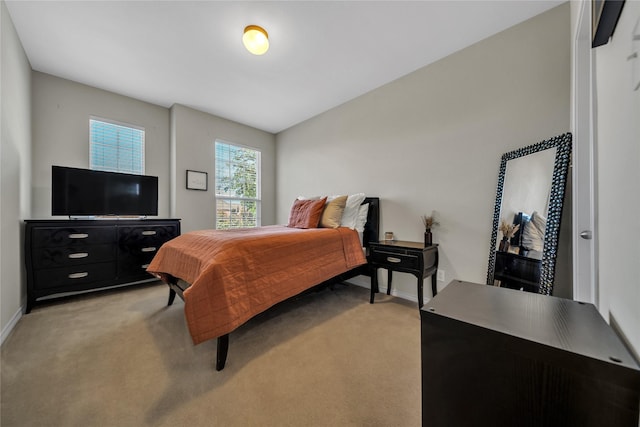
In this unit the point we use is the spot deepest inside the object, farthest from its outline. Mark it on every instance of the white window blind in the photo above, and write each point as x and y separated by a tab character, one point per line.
116	147
237	186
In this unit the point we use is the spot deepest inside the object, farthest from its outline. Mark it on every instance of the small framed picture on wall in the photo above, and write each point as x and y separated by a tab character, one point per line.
196	180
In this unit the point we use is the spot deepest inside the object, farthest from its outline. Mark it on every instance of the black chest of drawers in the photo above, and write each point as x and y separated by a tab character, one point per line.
64	256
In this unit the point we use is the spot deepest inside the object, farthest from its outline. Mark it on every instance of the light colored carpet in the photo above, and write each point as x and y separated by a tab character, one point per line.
123	358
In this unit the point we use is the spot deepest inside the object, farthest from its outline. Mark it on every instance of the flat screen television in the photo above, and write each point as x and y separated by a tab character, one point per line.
85	192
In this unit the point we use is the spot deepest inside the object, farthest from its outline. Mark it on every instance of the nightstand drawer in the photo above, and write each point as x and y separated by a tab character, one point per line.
396	257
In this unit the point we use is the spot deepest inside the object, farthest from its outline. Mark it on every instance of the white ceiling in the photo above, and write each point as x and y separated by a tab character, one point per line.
322	54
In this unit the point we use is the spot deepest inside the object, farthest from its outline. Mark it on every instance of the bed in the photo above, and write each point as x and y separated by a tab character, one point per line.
227	277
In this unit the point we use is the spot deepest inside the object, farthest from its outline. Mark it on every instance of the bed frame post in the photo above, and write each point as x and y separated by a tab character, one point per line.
223	348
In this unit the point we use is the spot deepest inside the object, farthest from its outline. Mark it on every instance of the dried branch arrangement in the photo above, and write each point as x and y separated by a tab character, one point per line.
508	230
429	221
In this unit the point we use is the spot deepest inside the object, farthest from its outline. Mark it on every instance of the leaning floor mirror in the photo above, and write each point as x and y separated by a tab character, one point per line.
528	210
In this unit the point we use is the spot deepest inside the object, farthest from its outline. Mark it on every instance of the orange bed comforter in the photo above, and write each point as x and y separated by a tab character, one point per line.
236	274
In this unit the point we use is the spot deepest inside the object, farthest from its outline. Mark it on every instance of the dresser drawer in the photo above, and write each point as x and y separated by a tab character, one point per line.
146	236
75	276
77	254
394	256
48	237
137	262
135	265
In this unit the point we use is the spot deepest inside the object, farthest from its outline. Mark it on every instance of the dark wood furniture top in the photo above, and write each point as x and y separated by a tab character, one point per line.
407	257
69	255
500	357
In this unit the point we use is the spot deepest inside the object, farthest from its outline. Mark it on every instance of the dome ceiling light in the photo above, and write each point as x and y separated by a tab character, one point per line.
255	39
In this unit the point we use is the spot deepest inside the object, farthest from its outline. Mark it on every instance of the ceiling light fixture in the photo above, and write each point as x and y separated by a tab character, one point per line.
255	39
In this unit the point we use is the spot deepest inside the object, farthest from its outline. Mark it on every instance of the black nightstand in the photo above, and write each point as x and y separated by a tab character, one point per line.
518	272
406	257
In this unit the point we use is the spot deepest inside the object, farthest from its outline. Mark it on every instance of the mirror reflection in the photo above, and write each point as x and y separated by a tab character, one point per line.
525	202
528	208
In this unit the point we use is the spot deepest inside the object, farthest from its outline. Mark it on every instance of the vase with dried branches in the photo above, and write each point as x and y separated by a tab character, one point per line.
429	222
508	230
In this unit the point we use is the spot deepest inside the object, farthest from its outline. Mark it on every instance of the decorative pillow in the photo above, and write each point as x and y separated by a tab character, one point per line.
303	198
533	234
350	214
363	211
332	214
306	213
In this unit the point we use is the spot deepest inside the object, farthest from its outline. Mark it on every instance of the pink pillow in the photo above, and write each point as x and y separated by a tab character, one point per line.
306	213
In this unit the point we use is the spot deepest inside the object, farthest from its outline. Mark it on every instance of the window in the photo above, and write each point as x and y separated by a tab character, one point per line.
116	147
237	181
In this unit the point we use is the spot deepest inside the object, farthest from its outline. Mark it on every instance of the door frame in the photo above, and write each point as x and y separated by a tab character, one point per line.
585	275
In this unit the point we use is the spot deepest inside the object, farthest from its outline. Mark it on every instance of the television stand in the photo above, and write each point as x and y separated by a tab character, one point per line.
77	255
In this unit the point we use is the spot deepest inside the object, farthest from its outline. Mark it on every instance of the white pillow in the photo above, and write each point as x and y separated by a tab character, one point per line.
533	233
363	210
350	214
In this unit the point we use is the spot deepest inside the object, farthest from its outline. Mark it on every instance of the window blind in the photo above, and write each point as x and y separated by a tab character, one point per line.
116	147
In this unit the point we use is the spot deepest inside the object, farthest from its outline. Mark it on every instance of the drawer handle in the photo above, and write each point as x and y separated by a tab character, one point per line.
78	275
149	233
78	236
393	259
78	255
149	249
144	266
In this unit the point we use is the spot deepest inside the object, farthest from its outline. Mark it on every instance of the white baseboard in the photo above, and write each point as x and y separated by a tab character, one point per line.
365	282
9	326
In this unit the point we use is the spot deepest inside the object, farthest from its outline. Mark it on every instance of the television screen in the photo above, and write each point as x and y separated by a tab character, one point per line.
85	192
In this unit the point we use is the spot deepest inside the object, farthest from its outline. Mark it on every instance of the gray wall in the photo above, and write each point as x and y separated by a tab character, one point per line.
61	112
176	139
15	169
618	175
432	140
193	136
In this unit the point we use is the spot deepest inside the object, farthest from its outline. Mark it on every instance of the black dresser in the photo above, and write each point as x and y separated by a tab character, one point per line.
500	357
78	255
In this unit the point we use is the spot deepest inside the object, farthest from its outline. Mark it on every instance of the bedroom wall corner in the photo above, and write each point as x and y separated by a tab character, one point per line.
15	170
193	135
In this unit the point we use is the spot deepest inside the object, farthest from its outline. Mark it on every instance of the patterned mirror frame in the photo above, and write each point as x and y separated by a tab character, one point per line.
556	198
